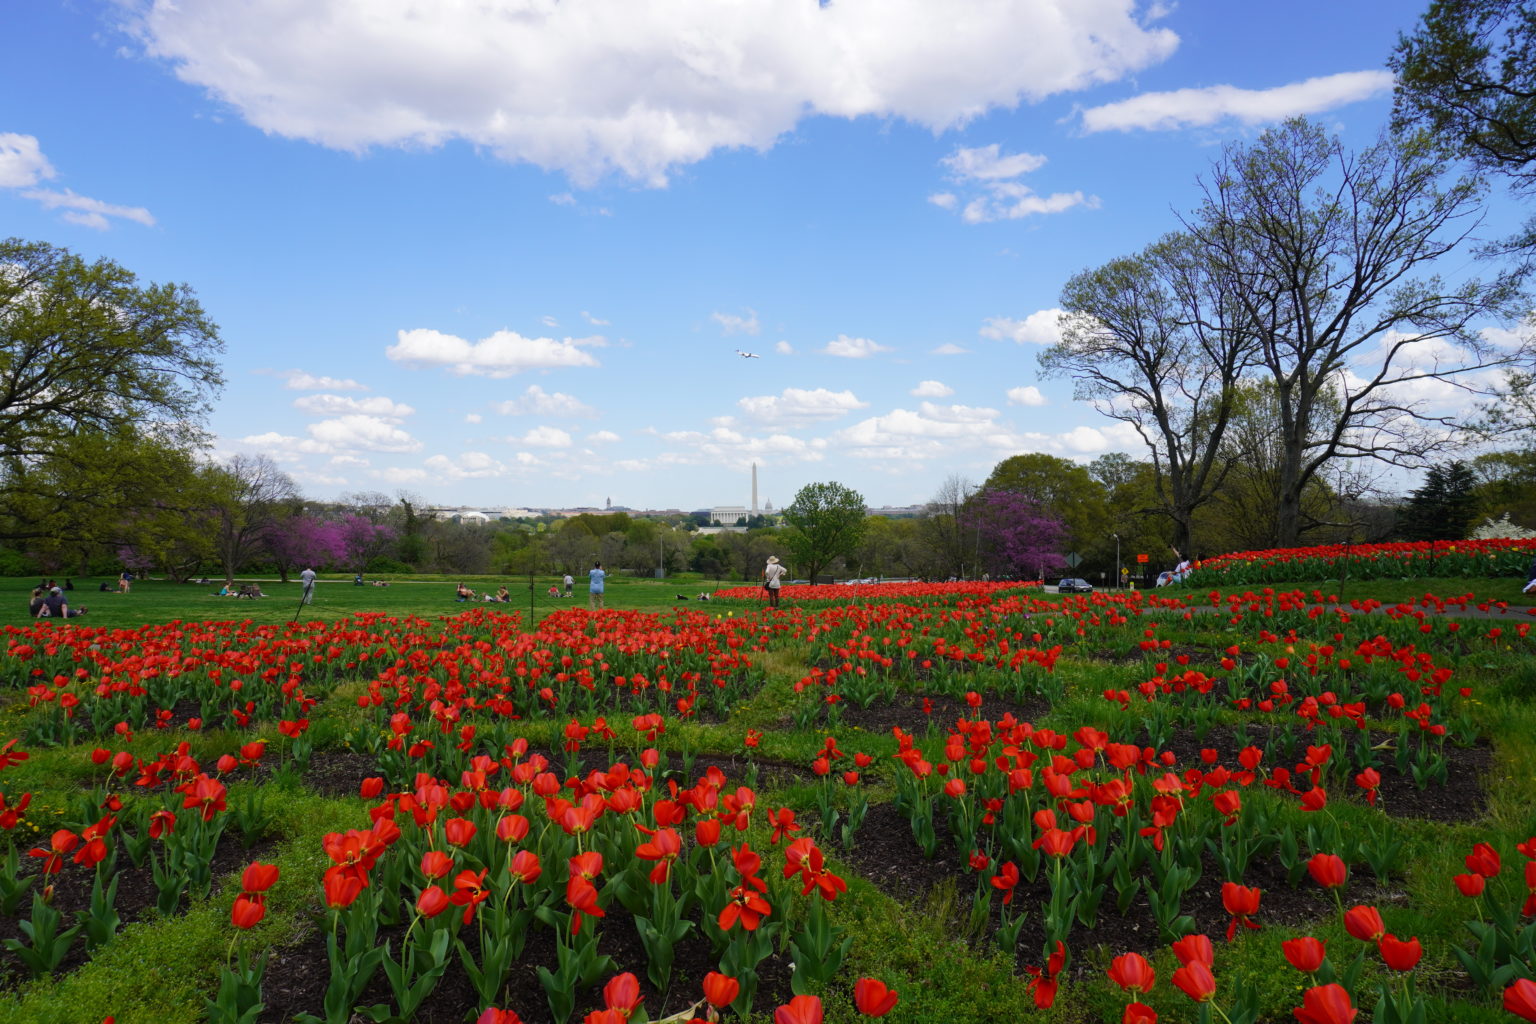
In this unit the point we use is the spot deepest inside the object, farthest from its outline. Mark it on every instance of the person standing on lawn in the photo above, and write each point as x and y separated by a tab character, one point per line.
773	576
1530	579
595	586
308	577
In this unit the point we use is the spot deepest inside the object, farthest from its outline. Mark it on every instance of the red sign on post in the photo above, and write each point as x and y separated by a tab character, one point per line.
1142	559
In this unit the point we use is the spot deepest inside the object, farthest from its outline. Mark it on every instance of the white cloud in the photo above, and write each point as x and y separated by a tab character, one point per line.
298	380
594	321
501	355
989	163
1511	338
549	321
602	437
932	389
730	323
339	405
347	460
1187	108
87	212
538	402
784	348
1007	200
277	444
853	348
400	474
1028	395
369	433
473	417
992	177
545	437
949	348
22	162
1039	328
563	199
642	88
798	406
468	466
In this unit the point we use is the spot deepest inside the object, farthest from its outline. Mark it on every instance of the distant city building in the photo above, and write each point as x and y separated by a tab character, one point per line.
730	515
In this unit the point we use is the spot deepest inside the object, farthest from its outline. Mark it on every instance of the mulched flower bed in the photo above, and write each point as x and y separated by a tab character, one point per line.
136	900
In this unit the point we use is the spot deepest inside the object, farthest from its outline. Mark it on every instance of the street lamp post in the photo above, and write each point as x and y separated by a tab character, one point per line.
1117	561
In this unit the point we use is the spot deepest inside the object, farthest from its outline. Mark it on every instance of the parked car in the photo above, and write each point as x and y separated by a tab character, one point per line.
1074	586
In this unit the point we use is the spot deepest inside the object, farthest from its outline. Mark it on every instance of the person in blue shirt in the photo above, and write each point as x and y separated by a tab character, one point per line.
595	586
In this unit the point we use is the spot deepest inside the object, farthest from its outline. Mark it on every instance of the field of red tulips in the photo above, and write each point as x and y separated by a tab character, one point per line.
958	802
1403	560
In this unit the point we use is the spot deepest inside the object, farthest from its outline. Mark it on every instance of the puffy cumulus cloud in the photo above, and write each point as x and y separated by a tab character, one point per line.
279	445
1511	338
929	433
468	466
369	433
853	348
726	446
1039	328
545	437
949	348
990	177
340	405
643	88
400	474
933	389
594	321
1028	395
22	162
798	406
989	163
602	437
1425	375
298	380
1190	108
730	323
537	402
473	417
503	354
784	348
348	460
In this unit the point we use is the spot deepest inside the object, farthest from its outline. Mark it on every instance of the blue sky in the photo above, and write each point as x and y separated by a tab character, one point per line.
503	253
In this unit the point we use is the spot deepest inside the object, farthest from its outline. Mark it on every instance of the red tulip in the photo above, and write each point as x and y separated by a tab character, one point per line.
247	912
720	990
1242	902
799	1010
1196	948
525	867
431	902
1139	1013
1306	954
341	888
1470	885
1520	999
495	1016
459	831
1195	980
1364	923
1314	799
436	864
1132	972
1398	954
1326	1004
623	993
872	997
1328	870
1483	860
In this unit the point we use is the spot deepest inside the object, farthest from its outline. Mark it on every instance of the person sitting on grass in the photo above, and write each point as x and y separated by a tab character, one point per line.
502	594
464	593
56	607
554	590
36	605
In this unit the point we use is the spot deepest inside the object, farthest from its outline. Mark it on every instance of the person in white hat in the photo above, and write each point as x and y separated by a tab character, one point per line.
773	574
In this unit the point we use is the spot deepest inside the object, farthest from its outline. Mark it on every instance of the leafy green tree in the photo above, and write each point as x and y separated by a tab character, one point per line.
250	496
1466	75
826	521
87	347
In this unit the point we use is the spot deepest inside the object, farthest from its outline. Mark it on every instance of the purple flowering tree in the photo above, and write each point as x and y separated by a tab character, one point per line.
304	540
363	540
1013	535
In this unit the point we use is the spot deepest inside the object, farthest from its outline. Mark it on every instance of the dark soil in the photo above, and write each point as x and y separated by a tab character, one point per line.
297	976
886	854
914	712
136	899
1462	797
